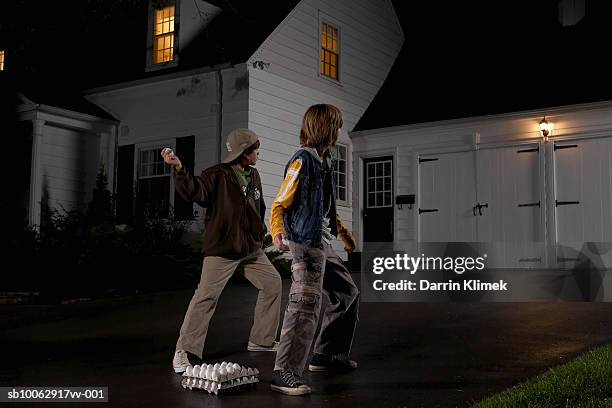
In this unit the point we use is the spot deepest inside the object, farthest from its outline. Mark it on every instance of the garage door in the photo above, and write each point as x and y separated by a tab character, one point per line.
491	196
447	194
583	207
511	213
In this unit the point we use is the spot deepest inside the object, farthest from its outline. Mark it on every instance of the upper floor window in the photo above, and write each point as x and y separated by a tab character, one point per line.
1	60
330	50
163	34
339	156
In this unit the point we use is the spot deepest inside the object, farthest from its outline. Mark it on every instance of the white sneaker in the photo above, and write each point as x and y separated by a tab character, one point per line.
256	347
180	362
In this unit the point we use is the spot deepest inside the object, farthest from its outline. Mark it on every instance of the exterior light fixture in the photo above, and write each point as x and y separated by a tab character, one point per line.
545	127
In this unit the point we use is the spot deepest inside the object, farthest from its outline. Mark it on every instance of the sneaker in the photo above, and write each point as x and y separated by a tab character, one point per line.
180	362
284	381
256	347
323	362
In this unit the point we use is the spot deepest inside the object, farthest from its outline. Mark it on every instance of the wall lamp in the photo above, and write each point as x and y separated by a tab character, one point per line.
545	127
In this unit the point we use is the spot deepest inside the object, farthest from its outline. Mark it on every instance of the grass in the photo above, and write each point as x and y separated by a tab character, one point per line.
584	382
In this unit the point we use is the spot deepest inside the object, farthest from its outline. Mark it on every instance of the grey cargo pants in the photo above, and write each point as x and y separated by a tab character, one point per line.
316	271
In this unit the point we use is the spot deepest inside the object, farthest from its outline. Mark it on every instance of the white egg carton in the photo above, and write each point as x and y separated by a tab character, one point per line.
220	378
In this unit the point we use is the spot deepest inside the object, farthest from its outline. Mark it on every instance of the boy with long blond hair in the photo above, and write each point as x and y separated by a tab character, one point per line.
304	220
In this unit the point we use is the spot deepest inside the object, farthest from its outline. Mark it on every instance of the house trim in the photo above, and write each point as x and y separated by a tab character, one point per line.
467	123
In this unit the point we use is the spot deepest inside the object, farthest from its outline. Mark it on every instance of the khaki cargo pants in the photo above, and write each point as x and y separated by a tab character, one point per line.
216	271
316	271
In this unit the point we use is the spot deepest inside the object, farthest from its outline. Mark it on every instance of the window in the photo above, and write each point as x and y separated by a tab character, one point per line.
163	35
338	153
153	183
330	51
379	184
1	60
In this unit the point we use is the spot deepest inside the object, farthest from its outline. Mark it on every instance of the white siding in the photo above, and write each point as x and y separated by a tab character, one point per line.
156	113
370	40
69	165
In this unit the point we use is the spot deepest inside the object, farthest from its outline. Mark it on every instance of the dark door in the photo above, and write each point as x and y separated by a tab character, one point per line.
378	200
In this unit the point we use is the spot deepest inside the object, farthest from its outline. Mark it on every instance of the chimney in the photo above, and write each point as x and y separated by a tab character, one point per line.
571	12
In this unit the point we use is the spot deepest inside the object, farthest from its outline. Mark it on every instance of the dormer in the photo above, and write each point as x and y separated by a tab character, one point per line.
173	24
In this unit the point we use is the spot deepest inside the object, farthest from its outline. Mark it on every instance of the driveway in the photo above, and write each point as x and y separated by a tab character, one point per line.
410	355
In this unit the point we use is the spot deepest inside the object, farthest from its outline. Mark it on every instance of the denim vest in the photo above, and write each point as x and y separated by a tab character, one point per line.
304	219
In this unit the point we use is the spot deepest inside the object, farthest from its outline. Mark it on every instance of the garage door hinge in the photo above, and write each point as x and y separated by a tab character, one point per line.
558	203
557	147
530	260
530	204
426	160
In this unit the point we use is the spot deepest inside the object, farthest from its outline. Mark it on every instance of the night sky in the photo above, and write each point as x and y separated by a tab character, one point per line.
463	59
459	59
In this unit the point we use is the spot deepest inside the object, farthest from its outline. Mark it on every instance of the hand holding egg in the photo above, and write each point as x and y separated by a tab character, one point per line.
170	158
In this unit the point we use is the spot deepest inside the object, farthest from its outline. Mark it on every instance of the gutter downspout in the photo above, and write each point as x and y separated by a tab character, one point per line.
116	158
219	115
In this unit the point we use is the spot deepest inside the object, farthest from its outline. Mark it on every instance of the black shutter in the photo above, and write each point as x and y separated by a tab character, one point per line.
125	184
185	150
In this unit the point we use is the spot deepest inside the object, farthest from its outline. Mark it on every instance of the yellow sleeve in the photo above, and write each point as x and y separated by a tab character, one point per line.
284	198
345	235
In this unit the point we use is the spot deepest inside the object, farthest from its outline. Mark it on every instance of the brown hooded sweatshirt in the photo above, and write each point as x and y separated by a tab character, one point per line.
234	223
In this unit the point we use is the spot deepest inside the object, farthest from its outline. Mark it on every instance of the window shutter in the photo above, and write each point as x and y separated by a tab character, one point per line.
125	184
185	150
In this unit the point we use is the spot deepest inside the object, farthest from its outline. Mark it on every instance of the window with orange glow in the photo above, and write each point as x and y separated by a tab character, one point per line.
163	35
330	51
1	60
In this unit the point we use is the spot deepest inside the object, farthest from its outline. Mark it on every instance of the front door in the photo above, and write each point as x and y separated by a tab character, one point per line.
378	200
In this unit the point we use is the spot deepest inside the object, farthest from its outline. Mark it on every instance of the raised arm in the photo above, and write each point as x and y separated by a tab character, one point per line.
195	189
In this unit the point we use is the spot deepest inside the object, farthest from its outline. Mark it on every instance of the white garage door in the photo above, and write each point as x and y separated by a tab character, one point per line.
489	195
446	196
509	195
583	205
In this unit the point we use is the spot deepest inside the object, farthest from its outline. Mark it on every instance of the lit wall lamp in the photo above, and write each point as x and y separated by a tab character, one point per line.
545	127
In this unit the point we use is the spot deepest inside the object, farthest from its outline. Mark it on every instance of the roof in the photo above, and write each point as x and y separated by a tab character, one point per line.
59	49
498	58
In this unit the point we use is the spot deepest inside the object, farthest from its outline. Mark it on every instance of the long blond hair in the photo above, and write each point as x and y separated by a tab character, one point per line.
320	127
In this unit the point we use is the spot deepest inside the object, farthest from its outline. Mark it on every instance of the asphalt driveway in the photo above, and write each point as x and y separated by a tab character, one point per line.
410	355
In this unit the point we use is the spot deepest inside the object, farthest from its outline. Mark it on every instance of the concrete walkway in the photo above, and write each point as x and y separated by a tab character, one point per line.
410	355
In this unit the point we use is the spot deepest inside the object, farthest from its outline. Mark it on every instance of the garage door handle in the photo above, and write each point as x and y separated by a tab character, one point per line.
560	259
558	203
425	210
485	205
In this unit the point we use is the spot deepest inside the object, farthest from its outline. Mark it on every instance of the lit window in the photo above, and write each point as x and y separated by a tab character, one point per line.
153	183
1	60
330	53
338	154
163	35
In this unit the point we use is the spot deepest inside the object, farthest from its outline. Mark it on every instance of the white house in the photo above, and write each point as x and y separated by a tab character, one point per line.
317	51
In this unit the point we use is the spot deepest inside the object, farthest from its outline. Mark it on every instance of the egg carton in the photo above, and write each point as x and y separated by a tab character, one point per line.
221	378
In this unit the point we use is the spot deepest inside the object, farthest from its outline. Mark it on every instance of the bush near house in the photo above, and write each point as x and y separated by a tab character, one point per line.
86	254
